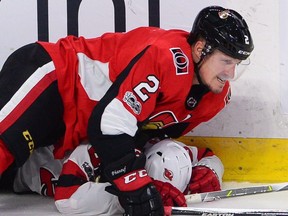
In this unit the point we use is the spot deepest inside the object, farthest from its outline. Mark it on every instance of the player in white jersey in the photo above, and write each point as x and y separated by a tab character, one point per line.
79	188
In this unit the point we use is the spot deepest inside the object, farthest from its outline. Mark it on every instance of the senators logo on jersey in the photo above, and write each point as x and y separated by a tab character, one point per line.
161	120
181	61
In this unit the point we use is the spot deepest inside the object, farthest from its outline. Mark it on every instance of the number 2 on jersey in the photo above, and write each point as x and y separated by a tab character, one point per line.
143	88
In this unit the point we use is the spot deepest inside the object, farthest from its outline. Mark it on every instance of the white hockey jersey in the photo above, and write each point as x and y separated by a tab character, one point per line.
74	182
41	174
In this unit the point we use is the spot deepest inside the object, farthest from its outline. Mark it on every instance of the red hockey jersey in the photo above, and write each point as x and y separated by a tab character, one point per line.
158	70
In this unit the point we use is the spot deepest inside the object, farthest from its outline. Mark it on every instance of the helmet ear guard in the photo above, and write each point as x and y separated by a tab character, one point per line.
223	29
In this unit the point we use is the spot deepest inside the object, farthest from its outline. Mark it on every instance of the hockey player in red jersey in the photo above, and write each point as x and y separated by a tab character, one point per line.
117	91
176	169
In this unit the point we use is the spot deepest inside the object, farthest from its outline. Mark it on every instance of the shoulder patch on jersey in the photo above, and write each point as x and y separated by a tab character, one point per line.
89	171
181	61
130	99
228	96
48	182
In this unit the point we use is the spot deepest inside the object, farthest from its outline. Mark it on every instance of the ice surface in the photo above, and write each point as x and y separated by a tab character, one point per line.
33	204
26	205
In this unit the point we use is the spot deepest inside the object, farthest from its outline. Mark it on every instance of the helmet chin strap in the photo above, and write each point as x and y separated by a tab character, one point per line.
196	70
206	50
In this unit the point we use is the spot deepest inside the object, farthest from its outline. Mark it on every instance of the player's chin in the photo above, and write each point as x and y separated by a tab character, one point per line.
216	89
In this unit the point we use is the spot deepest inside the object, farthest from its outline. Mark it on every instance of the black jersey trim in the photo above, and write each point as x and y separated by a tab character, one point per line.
105	144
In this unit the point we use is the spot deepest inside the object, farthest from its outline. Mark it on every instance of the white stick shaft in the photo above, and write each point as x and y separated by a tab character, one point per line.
217	195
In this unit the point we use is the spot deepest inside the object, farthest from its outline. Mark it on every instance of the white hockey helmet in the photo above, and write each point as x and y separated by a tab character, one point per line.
168	161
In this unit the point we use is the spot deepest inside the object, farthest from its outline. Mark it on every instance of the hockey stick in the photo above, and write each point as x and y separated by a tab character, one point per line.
217	195
223	212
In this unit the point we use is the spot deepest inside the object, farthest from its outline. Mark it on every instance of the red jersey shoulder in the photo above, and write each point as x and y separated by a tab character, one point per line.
175	60
162	75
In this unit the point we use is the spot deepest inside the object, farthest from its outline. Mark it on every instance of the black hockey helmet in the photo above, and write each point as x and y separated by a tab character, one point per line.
224	29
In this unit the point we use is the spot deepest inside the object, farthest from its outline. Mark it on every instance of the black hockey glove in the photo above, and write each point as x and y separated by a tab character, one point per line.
134	188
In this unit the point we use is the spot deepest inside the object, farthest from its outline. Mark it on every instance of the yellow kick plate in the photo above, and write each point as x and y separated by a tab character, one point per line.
248	159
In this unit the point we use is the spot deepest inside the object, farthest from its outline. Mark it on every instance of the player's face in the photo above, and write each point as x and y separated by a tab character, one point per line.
216	69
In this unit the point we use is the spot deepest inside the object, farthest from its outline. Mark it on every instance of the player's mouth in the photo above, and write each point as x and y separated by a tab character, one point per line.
221	80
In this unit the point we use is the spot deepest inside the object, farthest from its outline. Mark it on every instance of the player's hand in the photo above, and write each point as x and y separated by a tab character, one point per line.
203	180
170	195
134	188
